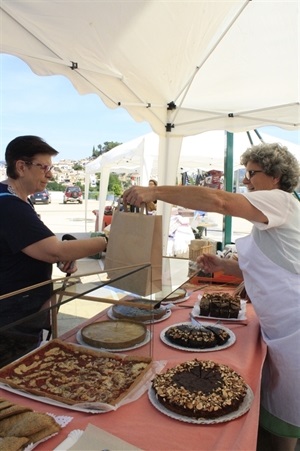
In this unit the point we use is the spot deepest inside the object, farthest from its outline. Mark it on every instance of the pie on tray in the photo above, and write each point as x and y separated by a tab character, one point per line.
176	296
114	334
138	314
72	374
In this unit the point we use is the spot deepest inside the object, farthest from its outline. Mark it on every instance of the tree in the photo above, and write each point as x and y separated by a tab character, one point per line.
115	185
106	147
77	167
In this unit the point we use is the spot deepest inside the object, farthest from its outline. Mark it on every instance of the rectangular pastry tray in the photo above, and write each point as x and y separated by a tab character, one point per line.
12	376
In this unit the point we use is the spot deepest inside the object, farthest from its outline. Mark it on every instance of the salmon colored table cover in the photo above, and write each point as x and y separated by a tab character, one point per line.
142	425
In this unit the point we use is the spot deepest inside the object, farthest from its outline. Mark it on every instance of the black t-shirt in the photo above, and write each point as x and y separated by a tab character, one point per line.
20	226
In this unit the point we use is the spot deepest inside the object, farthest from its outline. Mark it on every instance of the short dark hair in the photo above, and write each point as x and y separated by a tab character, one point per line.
25	148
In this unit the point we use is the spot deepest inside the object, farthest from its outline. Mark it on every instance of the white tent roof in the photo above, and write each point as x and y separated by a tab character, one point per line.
229	65
185	67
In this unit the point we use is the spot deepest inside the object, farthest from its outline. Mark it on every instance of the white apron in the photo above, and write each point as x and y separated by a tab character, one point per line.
275	295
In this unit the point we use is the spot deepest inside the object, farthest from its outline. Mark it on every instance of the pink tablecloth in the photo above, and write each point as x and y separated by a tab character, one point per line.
142	425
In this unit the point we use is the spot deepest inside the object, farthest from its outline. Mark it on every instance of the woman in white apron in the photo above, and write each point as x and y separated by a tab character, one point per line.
269	262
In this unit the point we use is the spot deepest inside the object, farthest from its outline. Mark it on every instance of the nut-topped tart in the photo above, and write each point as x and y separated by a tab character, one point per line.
200	389
190	336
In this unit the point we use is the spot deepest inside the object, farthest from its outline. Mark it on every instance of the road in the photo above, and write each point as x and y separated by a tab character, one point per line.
67	218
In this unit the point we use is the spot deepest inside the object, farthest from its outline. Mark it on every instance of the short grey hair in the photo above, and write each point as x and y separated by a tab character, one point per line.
277	161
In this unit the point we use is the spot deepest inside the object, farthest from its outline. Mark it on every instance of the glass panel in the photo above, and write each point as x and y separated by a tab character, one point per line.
89	296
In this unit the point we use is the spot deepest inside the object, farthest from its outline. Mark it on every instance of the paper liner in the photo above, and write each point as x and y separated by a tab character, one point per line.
150	321
241	316
229	342
244	407
72	438
138	345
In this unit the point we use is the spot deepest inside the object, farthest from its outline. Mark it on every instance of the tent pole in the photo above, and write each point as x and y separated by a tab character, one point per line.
228	184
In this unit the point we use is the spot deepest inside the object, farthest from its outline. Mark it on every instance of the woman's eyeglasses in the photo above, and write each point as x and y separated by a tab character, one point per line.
44	167
250	174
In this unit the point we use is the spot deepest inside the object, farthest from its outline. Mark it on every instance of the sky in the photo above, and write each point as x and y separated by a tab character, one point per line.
50	107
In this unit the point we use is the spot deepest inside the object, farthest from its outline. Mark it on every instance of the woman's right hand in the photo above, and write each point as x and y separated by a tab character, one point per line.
210	263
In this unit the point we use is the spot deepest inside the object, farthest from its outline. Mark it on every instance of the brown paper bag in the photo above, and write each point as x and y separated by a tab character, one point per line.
136	239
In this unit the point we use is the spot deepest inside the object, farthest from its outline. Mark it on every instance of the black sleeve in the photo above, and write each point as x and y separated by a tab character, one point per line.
20	224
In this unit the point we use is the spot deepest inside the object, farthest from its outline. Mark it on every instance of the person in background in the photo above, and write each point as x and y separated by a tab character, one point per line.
269	262
28	248
151	206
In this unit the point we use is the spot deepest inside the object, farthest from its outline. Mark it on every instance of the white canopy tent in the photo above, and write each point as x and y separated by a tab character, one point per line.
185	67
204	151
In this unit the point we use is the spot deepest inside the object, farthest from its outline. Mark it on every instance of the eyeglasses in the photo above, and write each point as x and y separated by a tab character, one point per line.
250	174
44	167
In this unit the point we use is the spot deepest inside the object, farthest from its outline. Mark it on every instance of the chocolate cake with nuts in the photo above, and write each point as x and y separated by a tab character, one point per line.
189	336
200	389
220	305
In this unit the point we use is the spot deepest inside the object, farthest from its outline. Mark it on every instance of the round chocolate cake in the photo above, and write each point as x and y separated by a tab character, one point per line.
138	314
200	389
189	336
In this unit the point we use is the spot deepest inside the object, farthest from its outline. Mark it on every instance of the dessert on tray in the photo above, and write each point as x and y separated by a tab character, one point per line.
190	336
200	389
114	334
72	374
137	313
220	305
176	296
20	426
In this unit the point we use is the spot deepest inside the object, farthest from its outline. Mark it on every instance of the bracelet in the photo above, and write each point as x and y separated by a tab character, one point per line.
106	239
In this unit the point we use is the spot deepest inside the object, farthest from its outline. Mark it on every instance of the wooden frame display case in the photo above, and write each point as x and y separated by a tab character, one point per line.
96	287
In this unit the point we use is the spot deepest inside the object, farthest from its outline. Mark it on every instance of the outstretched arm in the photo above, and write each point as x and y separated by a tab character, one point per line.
196	198
211	263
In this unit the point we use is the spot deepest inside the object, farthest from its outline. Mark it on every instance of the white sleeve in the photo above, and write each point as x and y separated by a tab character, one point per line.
274	204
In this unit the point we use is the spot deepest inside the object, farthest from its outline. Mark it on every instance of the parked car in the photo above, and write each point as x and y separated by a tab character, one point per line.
43	197
73	194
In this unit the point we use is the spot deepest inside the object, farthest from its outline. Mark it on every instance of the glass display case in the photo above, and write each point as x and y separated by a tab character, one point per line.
93	286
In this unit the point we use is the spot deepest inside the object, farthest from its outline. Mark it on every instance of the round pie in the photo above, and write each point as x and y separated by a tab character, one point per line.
177	295
114	334
138	314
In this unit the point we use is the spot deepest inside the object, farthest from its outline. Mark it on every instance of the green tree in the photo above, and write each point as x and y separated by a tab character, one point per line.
77	167
55	186
115	185
105	147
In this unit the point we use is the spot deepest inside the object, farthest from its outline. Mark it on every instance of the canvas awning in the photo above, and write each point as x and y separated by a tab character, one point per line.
185	67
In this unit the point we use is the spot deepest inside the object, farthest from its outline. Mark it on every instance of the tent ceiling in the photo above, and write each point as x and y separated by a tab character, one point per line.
185	67
225	65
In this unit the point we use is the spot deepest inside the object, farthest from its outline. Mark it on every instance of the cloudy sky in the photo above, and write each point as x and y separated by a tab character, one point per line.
50	107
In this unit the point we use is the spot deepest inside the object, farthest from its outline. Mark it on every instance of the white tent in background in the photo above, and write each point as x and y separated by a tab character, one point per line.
184	67
204	151
138	155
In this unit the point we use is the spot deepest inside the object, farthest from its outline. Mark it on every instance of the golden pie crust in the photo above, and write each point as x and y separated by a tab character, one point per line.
72	374
176	295
114	334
